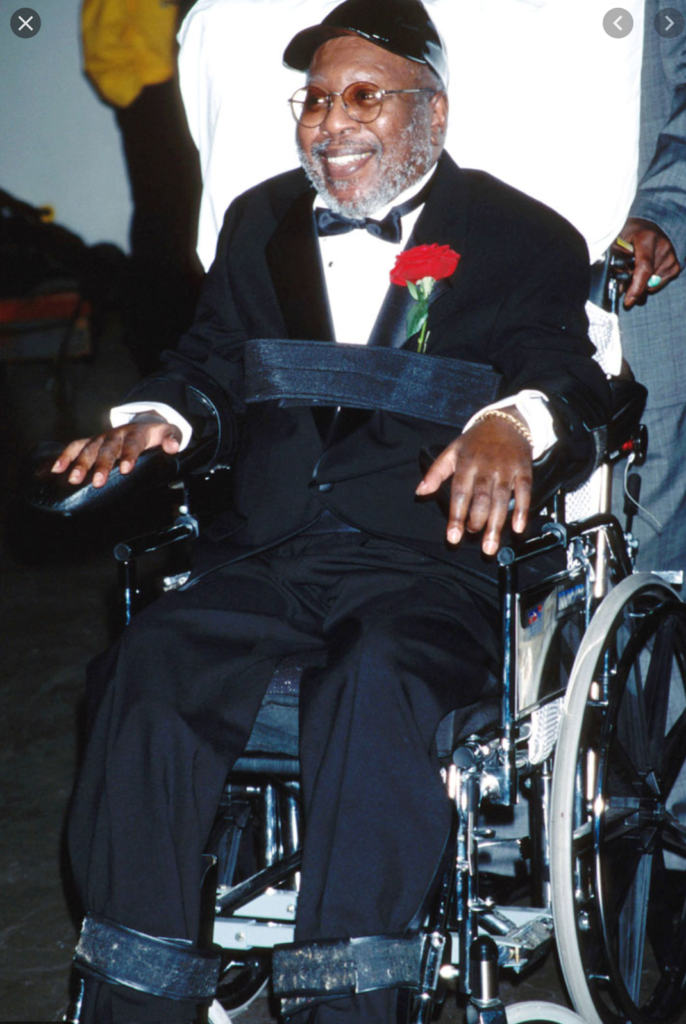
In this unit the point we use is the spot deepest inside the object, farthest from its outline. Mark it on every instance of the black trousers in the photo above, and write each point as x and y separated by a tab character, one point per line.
172	706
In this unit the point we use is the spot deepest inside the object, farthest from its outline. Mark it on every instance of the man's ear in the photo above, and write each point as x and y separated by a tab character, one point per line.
439	118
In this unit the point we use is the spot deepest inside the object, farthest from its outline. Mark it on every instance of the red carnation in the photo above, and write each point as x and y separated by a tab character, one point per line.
419	268
436	261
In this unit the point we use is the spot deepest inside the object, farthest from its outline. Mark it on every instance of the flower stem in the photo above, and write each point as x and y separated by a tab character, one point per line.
423	337
425	287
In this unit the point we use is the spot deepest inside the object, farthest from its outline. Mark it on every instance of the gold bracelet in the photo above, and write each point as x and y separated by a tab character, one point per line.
500	414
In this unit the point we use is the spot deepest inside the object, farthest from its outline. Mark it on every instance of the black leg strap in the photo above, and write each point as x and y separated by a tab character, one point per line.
340	967
170	968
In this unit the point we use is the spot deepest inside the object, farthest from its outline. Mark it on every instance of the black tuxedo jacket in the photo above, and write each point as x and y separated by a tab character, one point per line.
516	303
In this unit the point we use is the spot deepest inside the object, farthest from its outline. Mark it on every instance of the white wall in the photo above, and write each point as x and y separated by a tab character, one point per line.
59	144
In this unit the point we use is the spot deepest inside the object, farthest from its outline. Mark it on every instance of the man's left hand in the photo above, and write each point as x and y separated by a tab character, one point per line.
654	257
486	465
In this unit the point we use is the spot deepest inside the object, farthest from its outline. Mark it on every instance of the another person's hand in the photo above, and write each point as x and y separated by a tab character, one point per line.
654	258
121	444
487	465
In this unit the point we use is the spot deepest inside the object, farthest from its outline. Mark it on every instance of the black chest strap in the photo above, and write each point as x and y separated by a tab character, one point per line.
320	373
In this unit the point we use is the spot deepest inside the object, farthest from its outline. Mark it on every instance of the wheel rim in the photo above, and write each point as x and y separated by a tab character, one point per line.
624	884
537	1012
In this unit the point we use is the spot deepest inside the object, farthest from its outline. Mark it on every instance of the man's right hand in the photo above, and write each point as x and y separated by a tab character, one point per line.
121	444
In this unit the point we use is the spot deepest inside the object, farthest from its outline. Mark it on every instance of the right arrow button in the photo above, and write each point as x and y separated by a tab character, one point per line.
669	22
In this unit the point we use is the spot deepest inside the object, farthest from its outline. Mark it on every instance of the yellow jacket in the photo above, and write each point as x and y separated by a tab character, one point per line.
128	44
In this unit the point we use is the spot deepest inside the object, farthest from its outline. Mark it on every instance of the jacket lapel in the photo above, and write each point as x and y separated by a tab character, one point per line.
295	266
389	329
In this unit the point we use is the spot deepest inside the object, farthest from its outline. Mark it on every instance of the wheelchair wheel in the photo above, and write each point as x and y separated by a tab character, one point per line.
618	846
540	1013
243	978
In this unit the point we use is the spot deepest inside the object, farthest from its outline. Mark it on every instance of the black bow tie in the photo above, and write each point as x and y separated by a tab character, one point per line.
330	223
390	229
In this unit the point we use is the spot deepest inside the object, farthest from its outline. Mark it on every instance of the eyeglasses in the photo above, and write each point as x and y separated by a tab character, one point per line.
361	101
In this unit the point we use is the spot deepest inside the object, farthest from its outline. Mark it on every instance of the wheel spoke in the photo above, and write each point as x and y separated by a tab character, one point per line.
661	936
632	722
657	688
674	835
582	839
624	775
673	754
667	932
619	861
631	933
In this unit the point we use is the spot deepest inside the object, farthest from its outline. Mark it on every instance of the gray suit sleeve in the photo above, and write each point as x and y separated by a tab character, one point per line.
661	194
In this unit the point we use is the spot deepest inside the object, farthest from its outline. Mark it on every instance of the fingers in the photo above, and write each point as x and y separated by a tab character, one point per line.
645	266
522	498
123	444
639	283
440	470
486	466
655	263
666	264
481	503
66	457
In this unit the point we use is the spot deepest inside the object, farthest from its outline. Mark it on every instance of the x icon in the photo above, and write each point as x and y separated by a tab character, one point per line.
25	23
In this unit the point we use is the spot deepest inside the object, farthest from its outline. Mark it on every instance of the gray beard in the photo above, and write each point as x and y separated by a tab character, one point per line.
400	175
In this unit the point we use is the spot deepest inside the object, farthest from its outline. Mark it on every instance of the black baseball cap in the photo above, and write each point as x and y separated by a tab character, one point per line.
400	26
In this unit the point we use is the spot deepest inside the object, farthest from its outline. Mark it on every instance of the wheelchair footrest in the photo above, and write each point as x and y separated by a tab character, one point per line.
525	944
338	967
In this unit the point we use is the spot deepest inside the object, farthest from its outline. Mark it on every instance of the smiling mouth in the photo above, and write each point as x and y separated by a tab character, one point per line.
342	166
348	159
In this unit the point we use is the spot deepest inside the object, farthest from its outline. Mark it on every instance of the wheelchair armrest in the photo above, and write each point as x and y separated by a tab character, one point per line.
555	468
52	492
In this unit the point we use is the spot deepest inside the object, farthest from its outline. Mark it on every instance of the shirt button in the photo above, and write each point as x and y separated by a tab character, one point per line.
325	488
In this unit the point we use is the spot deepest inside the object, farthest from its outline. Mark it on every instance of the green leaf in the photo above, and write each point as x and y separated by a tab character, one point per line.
412	289
416	318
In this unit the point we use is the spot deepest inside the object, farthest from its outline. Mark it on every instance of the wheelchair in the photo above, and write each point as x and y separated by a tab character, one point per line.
577	769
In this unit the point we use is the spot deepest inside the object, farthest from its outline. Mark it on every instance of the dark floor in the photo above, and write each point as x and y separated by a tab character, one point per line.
56	603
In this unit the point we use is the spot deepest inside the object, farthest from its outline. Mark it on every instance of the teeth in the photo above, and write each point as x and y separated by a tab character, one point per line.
349	158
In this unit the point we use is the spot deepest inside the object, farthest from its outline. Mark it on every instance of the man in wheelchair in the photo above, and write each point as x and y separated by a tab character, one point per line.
336	539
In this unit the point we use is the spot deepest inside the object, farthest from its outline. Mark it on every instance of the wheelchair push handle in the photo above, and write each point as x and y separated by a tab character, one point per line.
620	271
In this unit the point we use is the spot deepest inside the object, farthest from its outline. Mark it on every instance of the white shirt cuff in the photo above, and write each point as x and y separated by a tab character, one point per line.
533	406
123	414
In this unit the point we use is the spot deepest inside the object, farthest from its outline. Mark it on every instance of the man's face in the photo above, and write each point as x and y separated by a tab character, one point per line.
359	168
